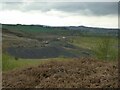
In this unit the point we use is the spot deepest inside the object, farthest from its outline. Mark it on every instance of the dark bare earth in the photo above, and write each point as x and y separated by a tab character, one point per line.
85	73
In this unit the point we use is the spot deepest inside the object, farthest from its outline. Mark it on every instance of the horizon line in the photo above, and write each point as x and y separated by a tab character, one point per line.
63	26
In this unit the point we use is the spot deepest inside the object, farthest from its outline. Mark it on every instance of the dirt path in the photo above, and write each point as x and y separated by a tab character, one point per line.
87	73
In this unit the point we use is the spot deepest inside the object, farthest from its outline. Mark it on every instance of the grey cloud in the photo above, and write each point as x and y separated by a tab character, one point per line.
94	8
12	5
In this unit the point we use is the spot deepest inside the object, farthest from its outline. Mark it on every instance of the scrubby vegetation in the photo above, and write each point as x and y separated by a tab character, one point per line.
10	63
104	48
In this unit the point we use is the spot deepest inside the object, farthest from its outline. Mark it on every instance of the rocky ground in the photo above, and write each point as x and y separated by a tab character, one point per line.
79	73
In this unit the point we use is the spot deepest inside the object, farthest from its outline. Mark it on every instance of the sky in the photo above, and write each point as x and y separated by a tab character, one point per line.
92	14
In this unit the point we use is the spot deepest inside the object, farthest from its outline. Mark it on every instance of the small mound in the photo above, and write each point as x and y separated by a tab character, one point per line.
78	73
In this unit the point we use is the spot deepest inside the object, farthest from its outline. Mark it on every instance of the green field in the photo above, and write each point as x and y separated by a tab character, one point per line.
103	47
10	63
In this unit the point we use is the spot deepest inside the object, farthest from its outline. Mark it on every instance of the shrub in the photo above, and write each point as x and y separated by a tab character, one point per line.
103	48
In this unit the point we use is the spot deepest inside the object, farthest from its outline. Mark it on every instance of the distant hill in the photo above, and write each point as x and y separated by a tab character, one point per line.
95	31
68	30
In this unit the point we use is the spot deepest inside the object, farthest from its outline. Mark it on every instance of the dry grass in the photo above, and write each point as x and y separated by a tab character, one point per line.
77	73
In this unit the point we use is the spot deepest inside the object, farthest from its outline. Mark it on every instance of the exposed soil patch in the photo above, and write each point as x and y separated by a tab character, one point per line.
46	52
85	73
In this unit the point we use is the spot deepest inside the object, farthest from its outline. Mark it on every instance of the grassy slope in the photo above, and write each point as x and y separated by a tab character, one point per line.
84	42
9	62
95	43
41	30
92	43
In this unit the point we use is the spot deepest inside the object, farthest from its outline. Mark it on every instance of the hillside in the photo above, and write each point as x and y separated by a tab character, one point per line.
69	31
39	43
36	56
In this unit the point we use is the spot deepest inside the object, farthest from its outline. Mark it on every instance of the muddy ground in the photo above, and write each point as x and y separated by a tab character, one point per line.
79	73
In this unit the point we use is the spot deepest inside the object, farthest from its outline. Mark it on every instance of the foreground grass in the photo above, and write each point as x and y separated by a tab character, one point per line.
10	63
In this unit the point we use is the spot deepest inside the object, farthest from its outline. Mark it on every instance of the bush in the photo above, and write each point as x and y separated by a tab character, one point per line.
5	61
103	48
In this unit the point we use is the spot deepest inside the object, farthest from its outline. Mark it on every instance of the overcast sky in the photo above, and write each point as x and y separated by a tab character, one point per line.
94	14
